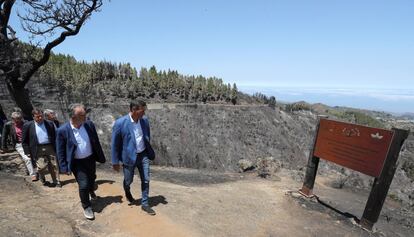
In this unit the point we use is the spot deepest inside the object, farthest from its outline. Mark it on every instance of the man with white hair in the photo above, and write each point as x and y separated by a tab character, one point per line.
51	116
13	133
78	150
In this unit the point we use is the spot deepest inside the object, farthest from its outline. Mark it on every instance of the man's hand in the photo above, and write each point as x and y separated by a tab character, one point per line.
116	167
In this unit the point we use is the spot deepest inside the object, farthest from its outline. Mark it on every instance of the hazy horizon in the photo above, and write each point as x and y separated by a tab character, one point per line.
393	100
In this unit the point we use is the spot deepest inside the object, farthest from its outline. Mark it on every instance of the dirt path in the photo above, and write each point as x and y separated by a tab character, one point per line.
120	218
188	203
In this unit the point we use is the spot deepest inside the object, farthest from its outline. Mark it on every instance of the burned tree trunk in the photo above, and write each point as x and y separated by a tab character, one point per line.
44	19
21	96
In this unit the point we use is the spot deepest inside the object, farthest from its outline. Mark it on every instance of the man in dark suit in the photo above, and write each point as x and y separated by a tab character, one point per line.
50	116
78	148
3	120
12	134
39	143
130	138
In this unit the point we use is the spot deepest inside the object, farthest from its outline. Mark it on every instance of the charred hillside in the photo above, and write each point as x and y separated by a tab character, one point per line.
194	123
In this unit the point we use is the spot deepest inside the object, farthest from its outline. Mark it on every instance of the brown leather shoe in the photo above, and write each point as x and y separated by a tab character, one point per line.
34	178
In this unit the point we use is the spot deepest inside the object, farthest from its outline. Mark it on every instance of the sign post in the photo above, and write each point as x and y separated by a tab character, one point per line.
311	170
382	184
371	151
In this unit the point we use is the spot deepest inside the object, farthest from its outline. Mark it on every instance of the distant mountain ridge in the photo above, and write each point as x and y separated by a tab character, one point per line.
390	100
407	116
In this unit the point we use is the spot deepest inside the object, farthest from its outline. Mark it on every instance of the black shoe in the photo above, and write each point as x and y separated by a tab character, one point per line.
45	183
129	197
148	210
93	196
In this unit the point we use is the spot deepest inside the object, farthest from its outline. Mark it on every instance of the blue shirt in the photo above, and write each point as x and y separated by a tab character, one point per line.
41	133
84	147
139	135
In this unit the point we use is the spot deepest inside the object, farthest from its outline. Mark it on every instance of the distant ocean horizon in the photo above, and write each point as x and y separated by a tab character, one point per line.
396	101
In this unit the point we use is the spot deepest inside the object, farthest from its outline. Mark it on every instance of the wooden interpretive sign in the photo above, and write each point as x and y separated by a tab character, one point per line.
360	148
371	151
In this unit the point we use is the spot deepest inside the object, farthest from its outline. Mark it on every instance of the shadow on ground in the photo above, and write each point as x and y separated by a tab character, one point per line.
103	202
153	201
189	177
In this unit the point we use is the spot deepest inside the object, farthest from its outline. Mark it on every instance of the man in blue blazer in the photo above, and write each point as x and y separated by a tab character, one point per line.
78	148
130	138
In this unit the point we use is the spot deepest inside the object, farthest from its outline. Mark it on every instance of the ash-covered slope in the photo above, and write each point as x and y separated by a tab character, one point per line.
216	137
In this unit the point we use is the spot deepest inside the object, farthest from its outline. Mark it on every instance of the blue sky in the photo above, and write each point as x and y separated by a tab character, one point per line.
322	44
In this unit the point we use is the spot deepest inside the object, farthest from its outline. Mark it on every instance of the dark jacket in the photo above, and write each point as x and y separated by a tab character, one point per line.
66	145
29	137
3	119
56	122
2	122
8	136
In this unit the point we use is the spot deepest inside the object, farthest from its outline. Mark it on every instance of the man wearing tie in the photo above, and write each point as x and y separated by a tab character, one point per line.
78	148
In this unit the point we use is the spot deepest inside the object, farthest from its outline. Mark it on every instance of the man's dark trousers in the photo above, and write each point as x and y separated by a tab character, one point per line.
85	174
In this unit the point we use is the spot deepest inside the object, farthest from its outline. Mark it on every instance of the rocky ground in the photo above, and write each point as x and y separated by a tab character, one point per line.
190	202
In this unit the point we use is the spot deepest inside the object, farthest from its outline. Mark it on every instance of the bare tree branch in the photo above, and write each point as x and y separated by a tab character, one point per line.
60	17
55	19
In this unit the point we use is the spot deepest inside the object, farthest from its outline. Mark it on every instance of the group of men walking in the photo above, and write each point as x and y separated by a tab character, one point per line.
35	142
74	147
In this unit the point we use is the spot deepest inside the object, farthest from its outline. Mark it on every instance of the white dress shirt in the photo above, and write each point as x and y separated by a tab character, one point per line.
84	147
41	133
139	135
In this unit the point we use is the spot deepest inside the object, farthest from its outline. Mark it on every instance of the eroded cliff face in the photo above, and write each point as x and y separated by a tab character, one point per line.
216	137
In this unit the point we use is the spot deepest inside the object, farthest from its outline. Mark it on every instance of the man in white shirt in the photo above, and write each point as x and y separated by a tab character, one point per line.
78	148
130	145
38	140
